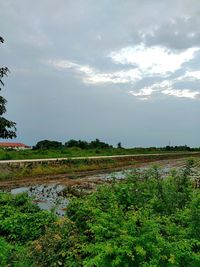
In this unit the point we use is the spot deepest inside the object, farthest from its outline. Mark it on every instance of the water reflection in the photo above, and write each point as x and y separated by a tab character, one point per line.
47	197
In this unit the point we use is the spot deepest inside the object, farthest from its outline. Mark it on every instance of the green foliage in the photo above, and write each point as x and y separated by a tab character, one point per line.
7	128
177	148
46	144
67	152
13	255
87	145
5	251
59	247
194	216
20	220
144	220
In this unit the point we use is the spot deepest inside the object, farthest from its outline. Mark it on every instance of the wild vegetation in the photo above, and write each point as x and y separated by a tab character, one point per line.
79	148
144	220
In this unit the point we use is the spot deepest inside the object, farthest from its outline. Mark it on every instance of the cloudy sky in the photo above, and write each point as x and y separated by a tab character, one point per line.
117	70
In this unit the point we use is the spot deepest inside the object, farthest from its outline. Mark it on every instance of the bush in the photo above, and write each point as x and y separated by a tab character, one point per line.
21	220
143	221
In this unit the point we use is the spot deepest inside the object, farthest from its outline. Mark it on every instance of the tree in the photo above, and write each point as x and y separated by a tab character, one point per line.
97	144
47	144
7	128
74	143
119	145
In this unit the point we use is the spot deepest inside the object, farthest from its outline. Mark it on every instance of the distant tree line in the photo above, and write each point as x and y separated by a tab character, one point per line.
87	145
96	144
178	148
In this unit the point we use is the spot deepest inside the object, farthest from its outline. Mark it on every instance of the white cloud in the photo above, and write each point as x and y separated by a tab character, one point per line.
153	60
181	93
66	64
149	90
93	76
124	76
191	75
144	93
148	62
165	87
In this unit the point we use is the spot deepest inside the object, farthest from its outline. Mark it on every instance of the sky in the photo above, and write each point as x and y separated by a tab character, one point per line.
119	70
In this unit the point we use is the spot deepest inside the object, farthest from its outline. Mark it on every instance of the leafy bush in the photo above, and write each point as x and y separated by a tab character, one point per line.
143	221
5	251
20	220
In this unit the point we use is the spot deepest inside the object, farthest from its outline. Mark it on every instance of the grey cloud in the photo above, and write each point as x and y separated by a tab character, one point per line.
178	33
47	103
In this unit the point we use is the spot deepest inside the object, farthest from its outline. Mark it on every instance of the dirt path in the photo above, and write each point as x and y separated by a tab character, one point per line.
83	179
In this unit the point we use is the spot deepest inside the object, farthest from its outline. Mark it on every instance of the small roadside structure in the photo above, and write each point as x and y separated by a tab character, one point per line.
17	146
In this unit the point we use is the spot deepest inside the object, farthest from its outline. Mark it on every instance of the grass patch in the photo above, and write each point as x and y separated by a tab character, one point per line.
74	152
5	176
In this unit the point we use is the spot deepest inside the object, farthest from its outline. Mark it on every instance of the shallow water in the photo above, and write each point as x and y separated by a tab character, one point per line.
119	175
46	197
49	197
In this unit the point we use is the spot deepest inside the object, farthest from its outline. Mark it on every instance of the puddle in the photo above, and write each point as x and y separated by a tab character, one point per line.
119	175
49	197
46	197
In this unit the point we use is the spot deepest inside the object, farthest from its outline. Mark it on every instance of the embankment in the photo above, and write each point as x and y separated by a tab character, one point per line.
22	168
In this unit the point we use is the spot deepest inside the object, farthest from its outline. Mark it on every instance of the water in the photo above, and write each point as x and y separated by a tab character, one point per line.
119	175
47	197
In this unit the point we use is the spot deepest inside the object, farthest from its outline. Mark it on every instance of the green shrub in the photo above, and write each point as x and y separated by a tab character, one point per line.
20	220
144	220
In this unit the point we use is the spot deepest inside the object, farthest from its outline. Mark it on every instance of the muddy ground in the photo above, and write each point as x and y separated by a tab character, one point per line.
83	179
